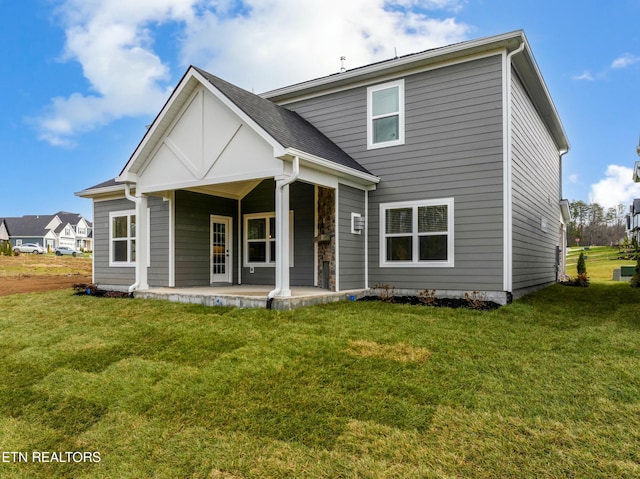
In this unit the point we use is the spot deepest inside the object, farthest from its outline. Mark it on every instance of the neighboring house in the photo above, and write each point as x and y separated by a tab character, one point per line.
4	235
438	170
633	220
49	231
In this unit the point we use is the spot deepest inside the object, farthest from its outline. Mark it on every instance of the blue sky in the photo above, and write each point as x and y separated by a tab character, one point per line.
82	78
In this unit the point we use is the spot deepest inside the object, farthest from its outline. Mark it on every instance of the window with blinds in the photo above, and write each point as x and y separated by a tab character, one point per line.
417	233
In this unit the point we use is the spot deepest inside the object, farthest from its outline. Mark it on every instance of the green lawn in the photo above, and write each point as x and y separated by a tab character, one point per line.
600	261
546	387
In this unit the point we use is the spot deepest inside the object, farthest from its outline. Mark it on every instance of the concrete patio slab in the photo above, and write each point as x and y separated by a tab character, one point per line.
249	296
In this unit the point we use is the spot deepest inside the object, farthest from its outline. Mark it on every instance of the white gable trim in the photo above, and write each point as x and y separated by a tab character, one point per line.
182	96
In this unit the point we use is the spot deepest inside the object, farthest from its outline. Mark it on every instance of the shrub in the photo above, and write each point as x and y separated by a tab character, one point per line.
582	267
582	279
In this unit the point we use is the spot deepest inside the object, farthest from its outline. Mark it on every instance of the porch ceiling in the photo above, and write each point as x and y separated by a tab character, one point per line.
235	190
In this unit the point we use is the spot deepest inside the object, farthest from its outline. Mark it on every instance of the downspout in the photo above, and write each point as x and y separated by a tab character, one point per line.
280	184
508	201
135	201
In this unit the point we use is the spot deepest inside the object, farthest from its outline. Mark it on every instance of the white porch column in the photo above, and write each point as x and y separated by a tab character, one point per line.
282	241
142	242
283	288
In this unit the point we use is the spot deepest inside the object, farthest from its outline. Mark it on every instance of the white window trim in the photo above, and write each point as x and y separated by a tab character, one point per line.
401	113
115	214
245	241
415	263
127	264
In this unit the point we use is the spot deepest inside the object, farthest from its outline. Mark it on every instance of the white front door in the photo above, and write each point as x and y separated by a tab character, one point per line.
221	234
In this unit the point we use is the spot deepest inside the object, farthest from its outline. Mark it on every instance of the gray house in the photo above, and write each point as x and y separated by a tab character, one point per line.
439	170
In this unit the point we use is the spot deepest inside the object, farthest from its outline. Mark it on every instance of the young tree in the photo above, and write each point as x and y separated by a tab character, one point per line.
582	279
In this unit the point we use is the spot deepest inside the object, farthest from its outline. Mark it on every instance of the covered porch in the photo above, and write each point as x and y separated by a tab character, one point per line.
249	194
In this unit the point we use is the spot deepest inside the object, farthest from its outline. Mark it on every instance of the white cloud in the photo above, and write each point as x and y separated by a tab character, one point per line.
617	188
113	42
624	61
573	178
586	75
286	41
258	44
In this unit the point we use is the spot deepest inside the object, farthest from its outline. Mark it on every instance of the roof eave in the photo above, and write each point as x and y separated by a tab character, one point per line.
366	179
100	192
510	40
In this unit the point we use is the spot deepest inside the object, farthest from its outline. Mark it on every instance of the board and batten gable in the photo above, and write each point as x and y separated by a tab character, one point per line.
536	194
453	149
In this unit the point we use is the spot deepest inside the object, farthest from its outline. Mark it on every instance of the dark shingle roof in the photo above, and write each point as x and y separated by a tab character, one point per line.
28	226
34	225
287	127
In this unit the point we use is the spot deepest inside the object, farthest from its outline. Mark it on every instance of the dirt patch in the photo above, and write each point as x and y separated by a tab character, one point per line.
36	273
31	284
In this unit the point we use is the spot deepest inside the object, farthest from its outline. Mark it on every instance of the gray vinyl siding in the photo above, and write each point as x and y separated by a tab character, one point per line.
260	200
351	251
158	271
104	275
453	149
301	201
536	195
193	234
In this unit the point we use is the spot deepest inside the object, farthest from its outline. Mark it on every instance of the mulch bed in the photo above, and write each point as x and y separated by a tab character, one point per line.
437	302
83	289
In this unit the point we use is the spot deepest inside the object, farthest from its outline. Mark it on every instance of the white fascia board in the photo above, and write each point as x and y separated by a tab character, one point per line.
365	179
97	192
253	175
565	211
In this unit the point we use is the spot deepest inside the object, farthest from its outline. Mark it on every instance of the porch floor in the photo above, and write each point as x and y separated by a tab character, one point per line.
249	296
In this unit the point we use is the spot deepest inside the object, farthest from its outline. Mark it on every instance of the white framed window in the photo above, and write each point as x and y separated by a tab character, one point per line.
122	238
385	115
417	233
260	239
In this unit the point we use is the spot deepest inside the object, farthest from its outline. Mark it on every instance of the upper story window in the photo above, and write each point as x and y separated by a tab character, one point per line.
385	115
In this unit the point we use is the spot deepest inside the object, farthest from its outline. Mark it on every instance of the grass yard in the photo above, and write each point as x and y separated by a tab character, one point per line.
547	387
600	261
49	264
